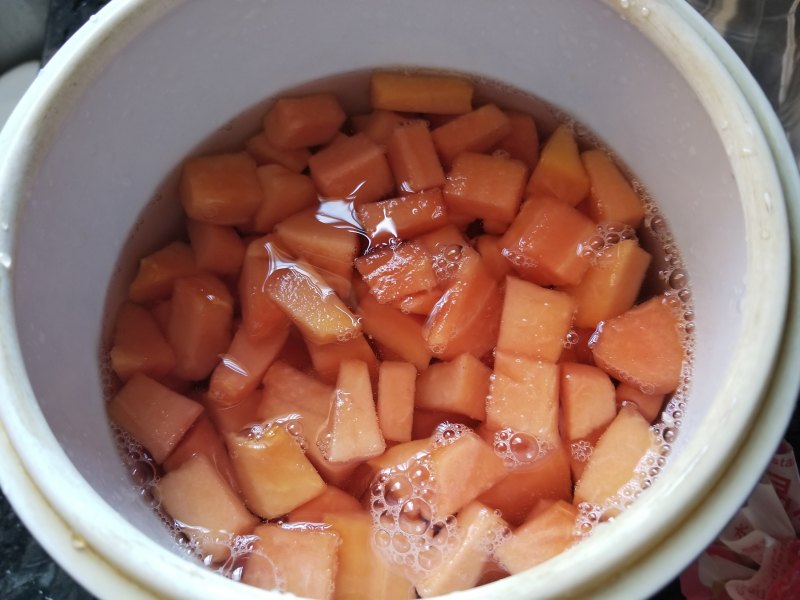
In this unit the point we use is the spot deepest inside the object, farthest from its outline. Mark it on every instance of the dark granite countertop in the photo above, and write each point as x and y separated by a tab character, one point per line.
26	571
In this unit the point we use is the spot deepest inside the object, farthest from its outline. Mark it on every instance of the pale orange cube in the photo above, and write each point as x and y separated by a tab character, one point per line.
612	199
560	172
305	121
403	218
396	388
377	125
200	324
285	193
205	507
421	303
217	248
413	159
273	472
399	332
352	432
587	401
458	386
327	358
234	418
138	345
300	561
398	271
332	500
153	414
497	264
476	131
522	142
158	271
484	186
420	93
260	315
261	149
221	189
535	320
648	405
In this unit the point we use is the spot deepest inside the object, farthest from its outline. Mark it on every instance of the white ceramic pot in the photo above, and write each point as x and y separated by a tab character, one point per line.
99	134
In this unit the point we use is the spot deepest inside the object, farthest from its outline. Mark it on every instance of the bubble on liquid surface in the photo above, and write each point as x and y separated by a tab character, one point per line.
518	449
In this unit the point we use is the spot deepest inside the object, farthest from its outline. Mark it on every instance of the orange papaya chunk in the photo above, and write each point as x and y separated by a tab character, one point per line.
234	418
546	535
138	345
158	271
153	414
305	121
377	125
260	315
462	567
642	347
612	199
299	561
546	242
421	303
400	333
615	457
264	152
587	401
458	386
222	189
413	159
217	248
396	388
535	320
207	510
243	366
485	186
611	285
200	323
332	500
285	193
327	358
560	172
404	217
417	93
522	142
476	131
273	472
395	272
648	405
524	398
497	264
355	169
352	432
577	349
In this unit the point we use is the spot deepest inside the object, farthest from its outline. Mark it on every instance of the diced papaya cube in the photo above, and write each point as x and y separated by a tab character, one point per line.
153	414
649	405
485	186
426	422
158	271
326	245
404	217
458	386
394	272
352	432
612	199
462	567
397	458
139	346
416	93
611	285
260	315
332	500
285	193
160	313
476	131
362	572
577	349
311	304
305	121
559	172
396	387
488	247
524	398
326	358
642	347
242	367
467	317
295	353
400	333
200	323
300	561
273	472
202	438
222	189
217	248
205	507
413	159
421	303
543	537
535	320
288	394
440	242
548	477
235	418
522	142
354	169
455	486
587	401
377	125
265	153
615	457
438	120
545	243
